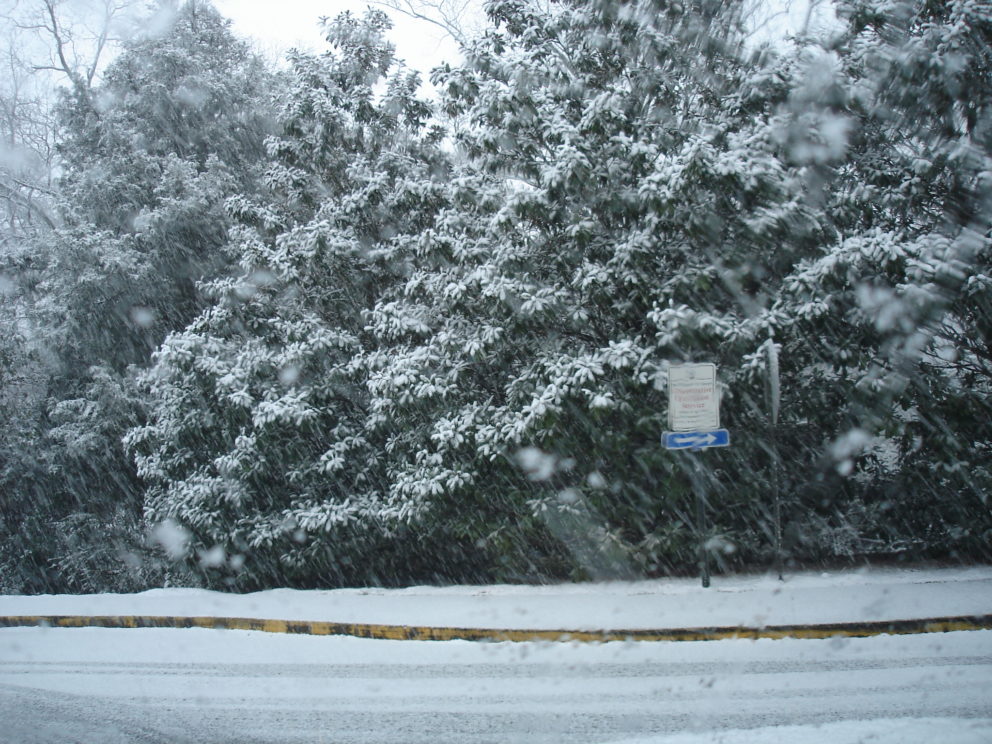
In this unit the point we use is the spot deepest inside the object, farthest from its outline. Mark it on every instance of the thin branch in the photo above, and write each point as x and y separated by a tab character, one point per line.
52	68
30	26
33	187
60	44
31	206
59	37
103	38
435	12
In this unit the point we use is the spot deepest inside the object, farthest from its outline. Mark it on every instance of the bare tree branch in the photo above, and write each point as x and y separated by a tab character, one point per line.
33	187
459	19
778	20
47	43
30	204
60	41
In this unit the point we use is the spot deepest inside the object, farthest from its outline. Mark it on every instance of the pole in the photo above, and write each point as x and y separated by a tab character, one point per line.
776	487
773	390
704	558
699	488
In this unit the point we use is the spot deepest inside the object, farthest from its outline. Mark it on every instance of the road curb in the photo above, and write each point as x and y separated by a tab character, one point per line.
431	633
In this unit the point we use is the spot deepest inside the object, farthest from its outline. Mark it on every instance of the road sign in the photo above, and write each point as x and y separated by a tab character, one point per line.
693	399
695	439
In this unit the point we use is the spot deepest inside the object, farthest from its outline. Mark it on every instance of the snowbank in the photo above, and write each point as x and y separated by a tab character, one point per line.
863	595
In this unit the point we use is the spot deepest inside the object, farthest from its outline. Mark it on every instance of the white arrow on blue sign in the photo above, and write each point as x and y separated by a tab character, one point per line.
695	439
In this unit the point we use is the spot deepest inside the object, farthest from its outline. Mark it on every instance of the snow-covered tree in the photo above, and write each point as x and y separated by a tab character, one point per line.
625	203
256	441
148	152
889	324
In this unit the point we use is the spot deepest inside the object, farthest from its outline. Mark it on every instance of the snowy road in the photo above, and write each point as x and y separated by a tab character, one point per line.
194	685
61	685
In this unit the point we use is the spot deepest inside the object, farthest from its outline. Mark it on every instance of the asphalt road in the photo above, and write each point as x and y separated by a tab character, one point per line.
210	687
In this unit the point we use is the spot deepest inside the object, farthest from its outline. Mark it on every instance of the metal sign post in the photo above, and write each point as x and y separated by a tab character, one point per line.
774	397
694	423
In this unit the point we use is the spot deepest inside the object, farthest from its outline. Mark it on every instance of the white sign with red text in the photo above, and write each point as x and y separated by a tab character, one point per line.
693	398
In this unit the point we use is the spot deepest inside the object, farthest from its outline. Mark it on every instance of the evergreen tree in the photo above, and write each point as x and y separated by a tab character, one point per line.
148	155
891	320
626	204
257	441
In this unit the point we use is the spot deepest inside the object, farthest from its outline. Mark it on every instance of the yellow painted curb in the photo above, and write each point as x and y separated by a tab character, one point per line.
429	633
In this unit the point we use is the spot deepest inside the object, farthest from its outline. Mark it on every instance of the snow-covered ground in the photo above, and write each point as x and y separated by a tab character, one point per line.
752	601
215	686
882	731
199	685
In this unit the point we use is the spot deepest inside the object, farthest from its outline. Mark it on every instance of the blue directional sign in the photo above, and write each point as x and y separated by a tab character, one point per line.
695	439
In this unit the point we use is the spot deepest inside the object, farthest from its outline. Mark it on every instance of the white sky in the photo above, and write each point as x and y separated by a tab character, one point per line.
279	26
